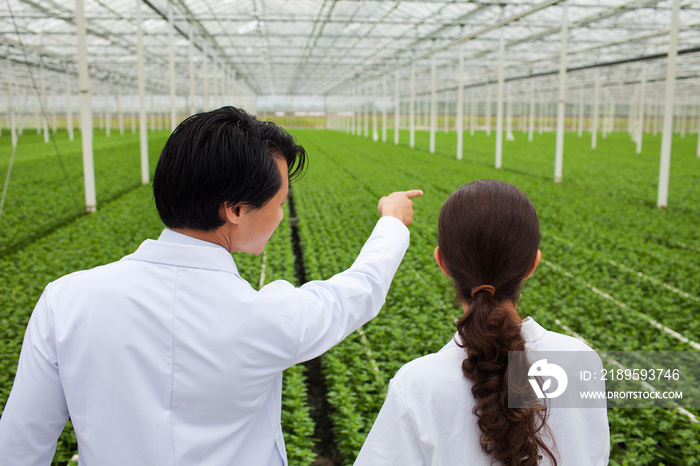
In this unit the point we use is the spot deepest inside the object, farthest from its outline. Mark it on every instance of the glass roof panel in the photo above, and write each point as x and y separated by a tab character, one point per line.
318	47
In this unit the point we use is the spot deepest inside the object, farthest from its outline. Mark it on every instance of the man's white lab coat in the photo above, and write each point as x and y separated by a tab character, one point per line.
169	357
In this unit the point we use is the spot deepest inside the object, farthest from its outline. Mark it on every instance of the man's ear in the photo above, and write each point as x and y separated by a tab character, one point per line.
440	261
535	263
232	213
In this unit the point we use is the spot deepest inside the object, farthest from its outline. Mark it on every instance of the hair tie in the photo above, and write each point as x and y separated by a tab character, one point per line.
488	288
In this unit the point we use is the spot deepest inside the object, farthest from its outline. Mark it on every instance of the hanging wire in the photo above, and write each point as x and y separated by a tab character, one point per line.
46	119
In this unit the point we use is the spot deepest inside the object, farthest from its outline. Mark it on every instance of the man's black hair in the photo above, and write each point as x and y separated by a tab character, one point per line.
222	156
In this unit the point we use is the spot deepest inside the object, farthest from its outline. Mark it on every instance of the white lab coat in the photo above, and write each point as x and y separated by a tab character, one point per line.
427	416
169	357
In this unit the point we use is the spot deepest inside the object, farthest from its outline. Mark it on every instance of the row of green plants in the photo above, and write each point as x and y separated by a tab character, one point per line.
585	222
46	188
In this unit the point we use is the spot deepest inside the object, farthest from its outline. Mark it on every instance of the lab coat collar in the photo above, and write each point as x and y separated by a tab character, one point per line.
185	255
531	330
172	236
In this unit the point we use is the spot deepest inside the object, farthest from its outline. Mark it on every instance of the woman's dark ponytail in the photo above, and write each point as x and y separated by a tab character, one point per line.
488	234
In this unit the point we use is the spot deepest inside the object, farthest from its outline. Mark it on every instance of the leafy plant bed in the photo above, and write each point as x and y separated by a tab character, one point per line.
587	222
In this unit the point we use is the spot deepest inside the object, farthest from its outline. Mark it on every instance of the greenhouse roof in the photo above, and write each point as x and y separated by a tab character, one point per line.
331	47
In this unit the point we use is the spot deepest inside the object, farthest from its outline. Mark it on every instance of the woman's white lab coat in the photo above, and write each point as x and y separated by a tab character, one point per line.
427	416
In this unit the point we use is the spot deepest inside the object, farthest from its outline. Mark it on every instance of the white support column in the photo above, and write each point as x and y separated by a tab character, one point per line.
499	105
133	116
697	151
412	109
488	110
447	113
344	118
433	104
10	103
397	109
108	115
190	59
85	109
611	129
543	104
158	116
632	118
360	113
21	107
594	123
666	137
171	66
640	115
366	112
473	108
509	116
44	111
531	122
385	102
649	111
120	112
375	133
69	108
459	124
561	102
231	85
657	116
22	117
205	77
353	124
222	85
682	122
604	117
54	123
153	112
143	128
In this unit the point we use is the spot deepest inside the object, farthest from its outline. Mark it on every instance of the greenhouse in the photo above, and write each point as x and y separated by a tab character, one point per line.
590	107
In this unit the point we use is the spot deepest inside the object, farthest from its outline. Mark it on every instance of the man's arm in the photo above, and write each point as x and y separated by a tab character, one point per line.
332	309
36	411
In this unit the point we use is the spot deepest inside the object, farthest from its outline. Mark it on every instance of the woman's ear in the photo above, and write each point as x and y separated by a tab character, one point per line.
535	263
440	261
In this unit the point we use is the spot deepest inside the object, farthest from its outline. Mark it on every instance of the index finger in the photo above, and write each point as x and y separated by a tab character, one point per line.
414	193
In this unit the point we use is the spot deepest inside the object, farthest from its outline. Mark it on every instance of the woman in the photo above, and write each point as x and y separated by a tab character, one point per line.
451	407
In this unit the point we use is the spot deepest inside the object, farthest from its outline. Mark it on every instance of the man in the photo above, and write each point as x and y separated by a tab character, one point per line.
169	357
